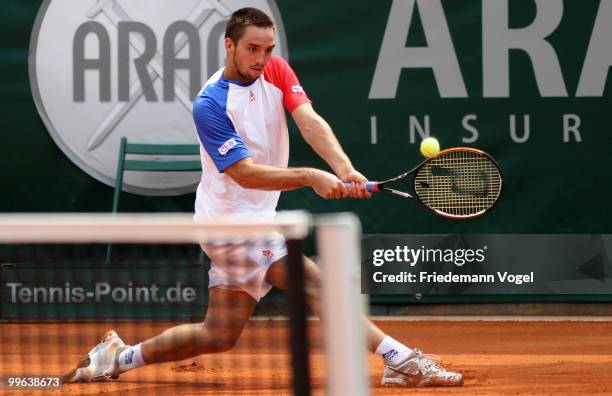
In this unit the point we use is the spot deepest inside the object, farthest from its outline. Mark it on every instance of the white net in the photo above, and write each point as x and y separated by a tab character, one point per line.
63	289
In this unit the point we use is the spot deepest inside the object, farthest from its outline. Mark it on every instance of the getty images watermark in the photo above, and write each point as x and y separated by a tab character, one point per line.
68	293
442	264
478	264
457	257
411	256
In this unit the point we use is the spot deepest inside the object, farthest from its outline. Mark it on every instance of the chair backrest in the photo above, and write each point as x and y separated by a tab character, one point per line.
153	164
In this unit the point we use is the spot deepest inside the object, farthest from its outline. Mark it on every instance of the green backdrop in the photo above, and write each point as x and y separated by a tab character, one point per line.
550	186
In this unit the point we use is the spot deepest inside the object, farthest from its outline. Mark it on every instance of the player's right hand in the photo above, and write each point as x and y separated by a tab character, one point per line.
327	185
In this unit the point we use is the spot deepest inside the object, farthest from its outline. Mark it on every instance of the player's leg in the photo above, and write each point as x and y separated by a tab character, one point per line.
277	277
403	366
236	283
228	311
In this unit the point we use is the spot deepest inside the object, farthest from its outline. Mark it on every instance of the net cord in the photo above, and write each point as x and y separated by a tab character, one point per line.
145	227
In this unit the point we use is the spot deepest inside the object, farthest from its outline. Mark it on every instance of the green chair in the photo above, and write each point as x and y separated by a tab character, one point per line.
151	165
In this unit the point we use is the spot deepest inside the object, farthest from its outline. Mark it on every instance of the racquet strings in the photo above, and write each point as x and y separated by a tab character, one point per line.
458	183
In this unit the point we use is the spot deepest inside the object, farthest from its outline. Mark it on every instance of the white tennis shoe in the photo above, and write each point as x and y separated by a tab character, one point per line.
419	370
101	363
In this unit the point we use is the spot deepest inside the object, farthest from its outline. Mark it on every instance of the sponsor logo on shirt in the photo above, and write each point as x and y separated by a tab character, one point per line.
251	96
227	146
296	89
267	254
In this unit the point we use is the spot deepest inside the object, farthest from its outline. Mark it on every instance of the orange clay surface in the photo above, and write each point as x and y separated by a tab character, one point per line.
496	358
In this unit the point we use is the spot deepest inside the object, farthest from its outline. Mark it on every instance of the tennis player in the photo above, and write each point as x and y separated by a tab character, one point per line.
240	119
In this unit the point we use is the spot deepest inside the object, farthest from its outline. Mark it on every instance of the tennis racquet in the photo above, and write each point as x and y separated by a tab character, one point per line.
458	183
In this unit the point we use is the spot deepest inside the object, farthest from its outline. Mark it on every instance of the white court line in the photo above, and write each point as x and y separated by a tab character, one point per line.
463	318
421	318
493	318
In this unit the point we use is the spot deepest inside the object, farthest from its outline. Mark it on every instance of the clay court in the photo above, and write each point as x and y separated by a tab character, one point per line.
496	357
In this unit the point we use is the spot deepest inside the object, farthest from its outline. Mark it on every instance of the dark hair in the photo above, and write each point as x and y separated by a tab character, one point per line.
244	17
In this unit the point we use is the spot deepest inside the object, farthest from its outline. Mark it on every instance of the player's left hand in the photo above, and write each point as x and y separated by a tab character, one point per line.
357	189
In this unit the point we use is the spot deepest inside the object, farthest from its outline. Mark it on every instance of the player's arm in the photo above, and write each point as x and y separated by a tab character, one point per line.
314	129
264	177
319	135
231	156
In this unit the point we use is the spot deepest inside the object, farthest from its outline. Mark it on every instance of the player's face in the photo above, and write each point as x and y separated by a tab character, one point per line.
251	53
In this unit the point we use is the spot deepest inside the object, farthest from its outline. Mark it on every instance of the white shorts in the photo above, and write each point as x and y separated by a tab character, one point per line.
243	266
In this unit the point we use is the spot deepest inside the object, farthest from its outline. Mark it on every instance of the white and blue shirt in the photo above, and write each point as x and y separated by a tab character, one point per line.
236	120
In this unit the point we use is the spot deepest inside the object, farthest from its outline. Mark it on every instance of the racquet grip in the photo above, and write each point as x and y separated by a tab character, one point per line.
370	186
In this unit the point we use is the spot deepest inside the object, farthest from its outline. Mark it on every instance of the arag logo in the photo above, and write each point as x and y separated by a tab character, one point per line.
103	69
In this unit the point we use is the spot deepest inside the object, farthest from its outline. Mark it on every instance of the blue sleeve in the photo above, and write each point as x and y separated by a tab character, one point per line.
217	134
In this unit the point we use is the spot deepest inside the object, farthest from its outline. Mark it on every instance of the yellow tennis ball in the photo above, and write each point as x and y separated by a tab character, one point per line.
430	147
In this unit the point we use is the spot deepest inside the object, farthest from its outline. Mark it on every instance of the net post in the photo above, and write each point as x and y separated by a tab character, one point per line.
298	324
343	307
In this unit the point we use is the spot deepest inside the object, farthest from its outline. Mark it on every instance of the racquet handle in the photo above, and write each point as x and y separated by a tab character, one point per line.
370	186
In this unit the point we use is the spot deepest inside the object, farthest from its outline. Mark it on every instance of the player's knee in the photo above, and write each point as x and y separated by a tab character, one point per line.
312	273
224	344
222	339
313	283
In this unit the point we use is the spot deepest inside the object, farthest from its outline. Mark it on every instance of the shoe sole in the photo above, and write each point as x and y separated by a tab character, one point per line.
418	385
415	382
85	362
